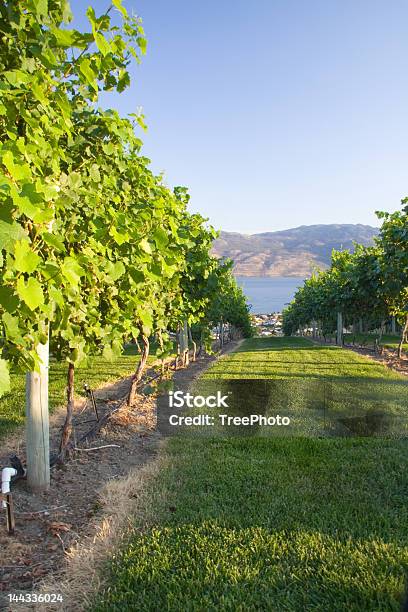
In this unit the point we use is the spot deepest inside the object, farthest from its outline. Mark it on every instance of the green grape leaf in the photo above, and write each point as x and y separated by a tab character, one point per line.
118	4
57	296
31	292
102	44
145	246
11	325
116	270
24	204
25	259
146	318
95	174
89	73
17	77
41	7
108	148
9	233
137	275
118	237
8	300
40	94
160	237
74	180
54	241
64	38
4	377
18	171
71	270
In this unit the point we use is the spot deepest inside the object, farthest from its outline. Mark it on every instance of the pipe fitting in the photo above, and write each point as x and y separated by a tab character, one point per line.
6	475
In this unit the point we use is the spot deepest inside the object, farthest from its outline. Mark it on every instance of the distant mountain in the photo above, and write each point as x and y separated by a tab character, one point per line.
292	252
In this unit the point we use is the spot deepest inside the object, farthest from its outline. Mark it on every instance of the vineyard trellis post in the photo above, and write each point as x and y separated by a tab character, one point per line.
184	332
37	423
339	329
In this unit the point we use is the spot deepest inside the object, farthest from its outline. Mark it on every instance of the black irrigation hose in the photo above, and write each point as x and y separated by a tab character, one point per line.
17	465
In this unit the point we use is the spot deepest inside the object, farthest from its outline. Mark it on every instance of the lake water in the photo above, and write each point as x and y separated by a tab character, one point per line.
269	294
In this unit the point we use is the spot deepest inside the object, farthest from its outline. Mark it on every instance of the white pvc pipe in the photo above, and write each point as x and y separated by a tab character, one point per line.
6	475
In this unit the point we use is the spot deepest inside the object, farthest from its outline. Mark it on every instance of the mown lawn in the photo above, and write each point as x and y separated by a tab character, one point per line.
283	358
97	372
281	524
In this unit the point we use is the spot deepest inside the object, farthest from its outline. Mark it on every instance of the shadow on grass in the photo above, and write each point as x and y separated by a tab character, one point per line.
309	346
284	348
271	362
340	378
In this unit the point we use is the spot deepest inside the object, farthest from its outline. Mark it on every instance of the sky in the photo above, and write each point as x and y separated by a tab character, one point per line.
275	113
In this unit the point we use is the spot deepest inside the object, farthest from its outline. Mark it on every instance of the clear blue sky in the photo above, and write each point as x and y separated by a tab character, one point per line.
275	113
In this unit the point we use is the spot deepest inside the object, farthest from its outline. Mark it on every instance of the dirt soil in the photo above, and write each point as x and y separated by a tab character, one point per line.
48	525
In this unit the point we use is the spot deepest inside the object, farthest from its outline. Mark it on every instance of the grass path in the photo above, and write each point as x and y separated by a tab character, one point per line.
278	358
281	524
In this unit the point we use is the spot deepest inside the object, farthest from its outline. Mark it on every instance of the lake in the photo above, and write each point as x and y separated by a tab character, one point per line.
269	294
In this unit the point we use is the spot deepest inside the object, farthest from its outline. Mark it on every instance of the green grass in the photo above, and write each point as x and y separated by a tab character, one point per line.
278	358
368	339
97	372
281	524
387	340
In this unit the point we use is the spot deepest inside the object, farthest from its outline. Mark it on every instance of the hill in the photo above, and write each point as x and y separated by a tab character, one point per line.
292	252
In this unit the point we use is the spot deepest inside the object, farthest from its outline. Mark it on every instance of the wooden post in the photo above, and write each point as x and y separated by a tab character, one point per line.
340	329
193	343
178	348
404	333
67	427
183	343
186	357
10	514
221	333
37	424
137	376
